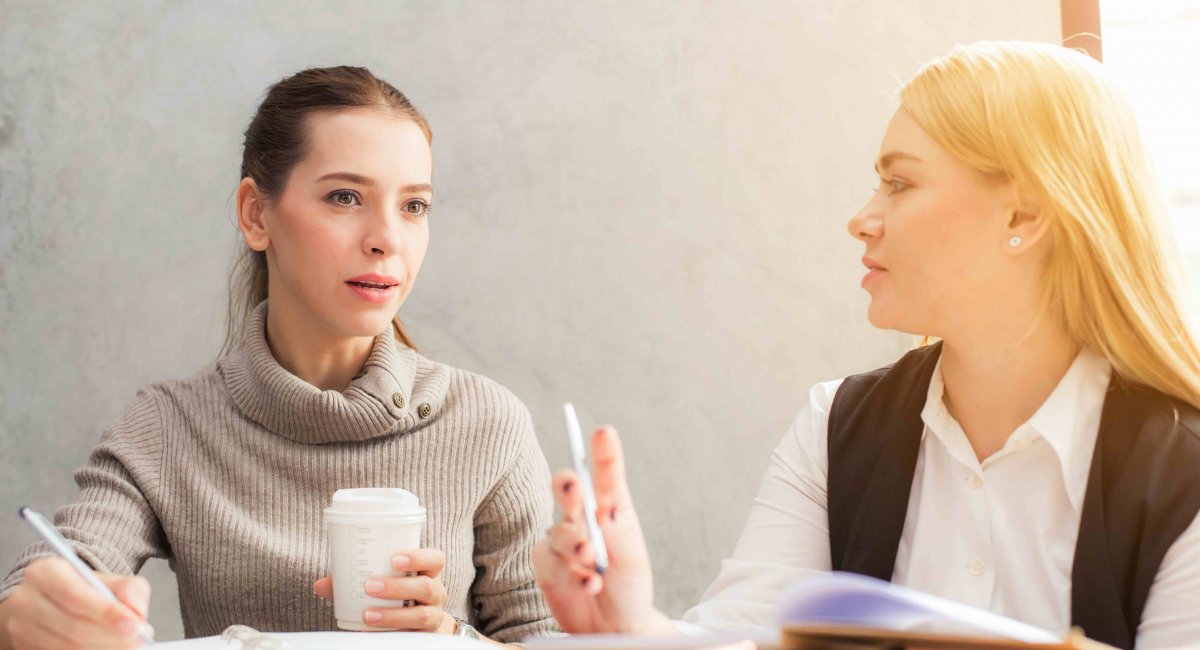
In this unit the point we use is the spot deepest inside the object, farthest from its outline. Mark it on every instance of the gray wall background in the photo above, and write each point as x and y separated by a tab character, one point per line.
640	207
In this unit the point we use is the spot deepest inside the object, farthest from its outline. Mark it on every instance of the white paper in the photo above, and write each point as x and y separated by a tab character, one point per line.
340	641
714	641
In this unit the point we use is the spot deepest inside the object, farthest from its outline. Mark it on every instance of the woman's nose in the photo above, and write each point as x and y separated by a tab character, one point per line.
868	223
385	233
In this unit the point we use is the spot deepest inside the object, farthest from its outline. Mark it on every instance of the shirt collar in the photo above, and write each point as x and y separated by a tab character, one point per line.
935	415
1069	420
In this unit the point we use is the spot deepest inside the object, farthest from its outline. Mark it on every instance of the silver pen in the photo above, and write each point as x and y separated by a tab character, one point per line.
60	545
579	460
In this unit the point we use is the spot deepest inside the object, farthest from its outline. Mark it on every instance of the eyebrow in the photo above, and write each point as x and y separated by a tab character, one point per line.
887	159
369	182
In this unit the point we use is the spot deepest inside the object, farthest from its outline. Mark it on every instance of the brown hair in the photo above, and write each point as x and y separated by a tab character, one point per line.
276	141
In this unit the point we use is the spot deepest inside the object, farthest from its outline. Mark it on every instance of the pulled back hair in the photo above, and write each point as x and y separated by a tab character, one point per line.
1047	119
276	140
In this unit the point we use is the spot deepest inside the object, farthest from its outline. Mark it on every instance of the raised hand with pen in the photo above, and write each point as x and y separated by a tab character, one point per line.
621	599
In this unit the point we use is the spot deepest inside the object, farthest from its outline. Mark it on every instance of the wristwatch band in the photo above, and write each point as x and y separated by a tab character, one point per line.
465	630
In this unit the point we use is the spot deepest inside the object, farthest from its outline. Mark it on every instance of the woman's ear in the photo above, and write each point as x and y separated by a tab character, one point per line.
251	209
1027	224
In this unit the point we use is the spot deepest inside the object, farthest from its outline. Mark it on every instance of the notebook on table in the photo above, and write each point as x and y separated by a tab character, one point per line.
837	610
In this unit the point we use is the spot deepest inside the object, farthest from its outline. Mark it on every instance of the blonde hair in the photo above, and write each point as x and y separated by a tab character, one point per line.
1045	118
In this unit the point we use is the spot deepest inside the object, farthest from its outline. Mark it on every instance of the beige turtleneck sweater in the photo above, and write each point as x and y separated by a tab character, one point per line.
226	475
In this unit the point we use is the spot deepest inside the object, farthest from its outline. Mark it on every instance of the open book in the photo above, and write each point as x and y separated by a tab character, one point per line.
837	608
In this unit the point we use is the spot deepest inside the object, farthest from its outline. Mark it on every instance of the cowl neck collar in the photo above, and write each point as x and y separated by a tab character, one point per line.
379	401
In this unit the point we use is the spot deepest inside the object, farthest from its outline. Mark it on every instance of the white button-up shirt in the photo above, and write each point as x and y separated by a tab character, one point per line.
999	535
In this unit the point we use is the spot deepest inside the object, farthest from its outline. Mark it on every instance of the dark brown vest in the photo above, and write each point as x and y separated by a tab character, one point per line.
1143	488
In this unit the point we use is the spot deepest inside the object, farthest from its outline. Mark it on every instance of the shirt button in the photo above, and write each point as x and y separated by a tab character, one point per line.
398	400
424	410
976	567
975	482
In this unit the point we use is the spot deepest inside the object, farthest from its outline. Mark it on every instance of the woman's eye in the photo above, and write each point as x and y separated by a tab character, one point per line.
344	198
417	208
892	186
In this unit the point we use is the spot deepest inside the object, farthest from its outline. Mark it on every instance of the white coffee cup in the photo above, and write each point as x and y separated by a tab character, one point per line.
367	526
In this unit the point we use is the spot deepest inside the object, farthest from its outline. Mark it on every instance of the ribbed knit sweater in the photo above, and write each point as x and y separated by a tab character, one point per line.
226	476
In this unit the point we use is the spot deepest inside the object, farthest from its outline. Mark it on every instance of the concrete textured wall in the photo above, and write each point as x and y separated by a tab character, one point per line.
640	207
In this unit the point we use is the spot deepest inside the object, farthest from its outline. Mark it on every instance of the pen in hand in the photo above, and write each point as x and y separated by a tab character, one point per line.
587	492
50	534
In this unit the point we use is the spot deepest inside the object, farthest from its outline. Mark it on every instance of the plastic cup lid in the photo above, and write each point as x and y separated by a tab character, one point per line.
376	501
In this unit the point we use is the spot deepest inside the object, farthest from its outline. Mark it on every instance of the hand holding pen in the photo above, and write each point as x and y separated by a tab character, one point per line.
619	599
587	492
61	603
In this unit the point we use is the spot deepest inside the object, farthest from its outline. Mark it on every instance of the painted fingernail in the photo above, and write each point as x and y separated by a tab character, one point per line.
400	561
583	582
589	584
612	514
567	487
578	548
372	616
374	586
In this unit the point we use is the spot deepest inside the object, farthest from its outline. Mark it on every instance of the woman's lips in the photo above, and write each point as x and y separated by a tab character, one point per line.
874	270
871	275
376	292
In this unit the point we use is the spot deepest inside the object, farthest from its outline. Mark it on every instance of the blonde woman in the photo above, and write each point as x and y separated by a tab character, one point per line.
1042	459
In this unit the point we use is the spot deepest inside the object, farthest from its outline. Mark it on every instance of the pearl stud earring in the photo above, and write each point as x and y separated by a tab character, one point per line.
1014	242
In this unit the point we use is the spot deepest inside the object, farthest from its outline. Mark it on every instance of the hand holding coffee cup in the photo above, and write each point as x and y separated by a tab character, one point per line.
421	596
382	578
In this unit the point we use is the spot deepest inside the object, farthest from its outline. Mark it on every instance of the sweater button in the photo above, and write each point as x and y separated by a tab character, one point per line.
424	410
398	400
